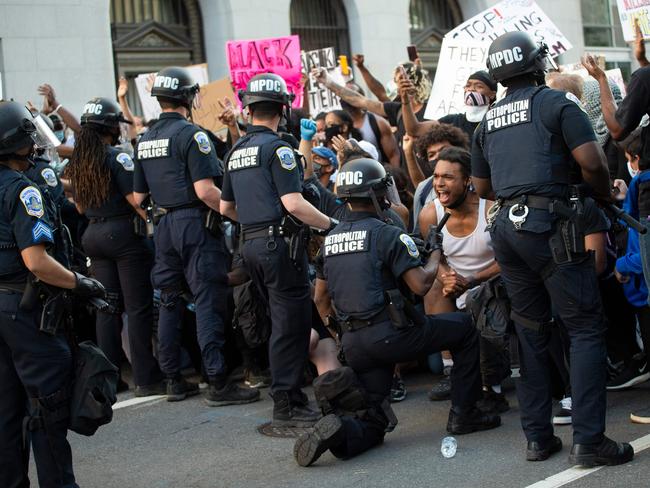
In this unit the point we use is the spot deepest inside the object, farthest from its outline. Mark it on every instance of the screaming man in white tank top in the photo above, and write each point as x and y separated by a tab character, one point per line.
470	254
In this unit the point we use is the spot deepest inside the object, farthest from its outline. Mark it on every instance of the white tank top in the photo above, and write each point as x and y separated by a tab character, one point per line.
470	254
367	133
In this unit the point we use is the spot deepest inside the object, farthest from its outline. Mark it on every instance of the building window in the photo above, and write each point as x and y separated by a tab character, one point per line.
320	24
430	20
601	24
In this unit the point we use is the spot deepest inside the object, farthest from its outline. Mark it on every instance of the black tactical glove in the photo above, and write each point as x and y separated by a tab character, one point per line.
324	232
88	287
420	244
434	239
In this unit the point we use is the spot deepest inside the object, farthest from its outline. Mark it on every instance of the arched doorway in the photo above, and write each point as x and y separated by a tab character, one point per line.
148	35
430	20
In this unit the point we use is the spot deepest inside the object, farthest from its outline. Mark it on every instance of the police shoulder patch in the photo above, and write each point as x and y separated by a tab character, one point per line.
203	142
410	245
32	201
574	99
41	232
125	160
49	177
287	158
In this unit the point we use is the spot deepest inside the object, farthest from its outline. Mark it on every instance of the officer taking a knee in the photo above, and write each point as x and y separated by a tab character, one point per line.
262	190
35	366
176	165
371	269
523	153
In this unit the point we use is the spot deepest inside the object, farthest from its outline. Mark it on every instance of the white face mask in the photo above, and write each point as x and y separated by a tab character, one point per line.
633	172
475	114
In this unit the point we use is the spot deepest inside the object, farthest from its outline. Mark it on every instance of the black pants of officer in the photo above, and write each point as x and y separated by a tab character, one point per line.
188	256
122	262
35	370
571	291
373	352
286	289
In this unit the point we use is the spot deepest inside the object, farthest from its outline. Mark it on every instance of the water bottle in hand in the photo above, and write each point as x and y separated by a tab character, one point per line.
448	447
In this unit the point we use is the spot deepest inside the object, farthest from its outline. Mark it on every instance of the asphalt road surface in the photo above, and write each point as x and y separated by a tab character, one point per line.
156	444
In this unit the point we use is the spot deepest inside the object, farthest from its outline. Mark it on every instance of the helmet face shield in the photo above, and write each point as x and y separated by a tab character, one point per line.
42	135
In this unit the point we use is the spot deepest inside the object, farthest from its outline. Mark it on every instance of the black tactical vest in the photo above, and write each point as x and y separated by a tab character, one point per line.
249	167
356	278
517	145
164	167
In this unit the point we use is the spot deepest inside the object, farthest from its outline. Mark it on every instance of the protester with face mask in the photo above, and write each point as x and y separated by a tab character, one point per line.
480	92
325	165
339	123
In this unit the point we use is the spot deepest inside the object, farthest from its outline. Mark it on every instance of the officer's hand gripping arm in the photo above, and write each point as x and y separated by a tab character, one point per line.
46	268
300	208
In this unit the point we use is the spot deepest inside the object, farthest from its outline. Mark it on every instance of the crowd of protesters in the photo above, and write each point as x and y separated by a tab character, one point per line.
431	168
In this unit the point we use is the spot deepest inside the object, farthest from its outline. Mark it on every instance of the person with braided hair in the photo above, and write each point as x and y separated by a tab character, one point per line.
102	182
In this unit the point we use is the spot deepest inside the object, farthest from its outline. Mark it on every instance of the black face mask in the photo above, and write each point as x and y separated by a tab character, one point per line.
332	131
432	163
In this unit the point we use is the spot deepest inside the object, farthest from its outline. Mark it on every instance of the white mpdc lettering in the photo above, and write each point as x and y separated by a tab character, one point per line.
506	56
93	108
266	85
166	82
349	178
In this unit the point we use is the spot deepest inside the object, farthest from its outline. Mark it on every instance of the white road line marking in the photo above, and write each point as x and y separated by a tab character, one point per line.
136	401
572	474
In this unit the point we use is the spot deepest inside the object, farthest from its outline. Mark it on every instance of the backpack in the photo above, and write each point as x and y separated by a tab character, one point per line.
250	315
489	306
94	390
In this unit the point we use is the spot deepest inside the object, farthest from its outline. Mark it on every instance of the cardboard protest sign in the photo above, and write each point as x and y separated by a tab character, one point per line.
144	82
513	15
628	10
279	55
458	59
322	99
210	95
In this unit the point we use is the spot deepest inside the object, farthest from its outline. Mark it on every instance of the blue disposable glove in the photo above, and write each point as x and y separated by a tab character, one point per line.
307	129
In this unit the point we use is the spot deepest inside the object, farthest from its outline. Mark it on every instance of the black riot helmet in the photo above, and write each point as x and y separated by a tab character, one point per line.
16	127
364	179
175	84
266	87
104	112
514	54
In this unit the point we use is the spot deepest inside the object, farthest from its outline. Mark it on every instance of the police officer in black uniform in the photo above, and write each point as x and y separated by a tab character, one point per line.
371	268
523	152
176	164
262	191
102	183
35	366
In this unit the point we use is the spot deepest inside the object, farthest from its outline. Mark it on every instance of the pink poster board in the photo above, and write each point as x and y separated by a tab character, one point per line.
279	55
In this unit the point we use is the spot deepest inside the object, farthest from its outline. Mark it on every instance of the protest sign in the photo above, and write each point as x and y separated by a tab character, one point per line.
513	15
628	10
322	99
279	55
144	82
458	59
210	95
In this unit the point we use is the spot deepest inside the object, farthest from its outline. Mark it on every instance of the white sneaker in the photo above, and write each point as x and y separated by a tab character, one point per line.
563	414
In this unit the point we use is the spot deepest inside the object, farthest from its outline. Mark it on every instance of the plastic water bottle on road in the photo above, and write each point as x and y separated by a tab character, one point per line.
448	447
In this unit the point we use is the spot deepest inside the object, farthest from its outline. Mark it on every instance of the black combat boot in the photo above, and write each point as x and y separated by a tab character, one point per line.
608	452
179	389
288	412
220	392
328	432
466	421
